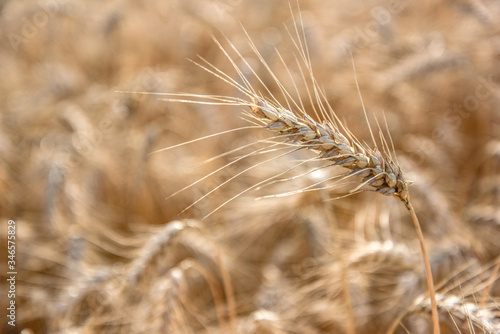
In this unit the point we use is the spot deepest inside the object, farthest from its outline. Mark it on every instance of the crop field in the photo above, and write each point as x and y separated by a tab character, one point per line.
236	166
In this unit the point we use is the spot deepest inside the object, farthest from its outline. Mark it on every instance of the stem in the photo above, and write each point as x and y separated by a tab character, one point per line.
430	283
228	289
489	284
216	293
351	327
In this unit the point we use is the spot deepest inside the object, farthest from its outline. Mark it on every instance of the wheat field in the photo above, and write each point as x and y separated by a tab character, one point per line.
154	194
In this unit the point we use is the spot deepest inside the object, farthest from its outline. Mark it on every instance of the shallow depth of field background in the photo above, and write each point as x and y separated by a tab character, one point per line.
90	201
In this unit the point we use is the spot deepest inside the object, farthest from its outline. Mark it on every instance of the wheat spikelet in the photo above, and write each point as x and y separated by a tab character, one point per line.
262	321
419	65
474	316
169	269
378	171
463	300
154	254
382	276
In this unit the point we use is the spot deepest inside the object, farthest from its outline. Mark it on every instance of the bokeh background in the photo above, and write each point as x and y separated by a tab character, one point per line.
101	246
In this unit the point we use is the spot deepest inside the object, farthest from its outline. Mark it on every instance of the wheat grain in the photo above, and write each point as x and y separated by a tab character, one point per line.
472	316
378	171
459	303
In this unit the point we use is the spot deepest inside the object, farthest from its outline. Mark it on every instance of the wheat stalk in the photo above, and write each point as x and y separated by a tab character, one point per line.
153	260
377	170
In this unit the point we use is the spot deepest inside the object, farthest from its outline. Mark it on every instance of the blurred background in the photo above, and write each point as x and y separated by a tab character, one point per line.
99	248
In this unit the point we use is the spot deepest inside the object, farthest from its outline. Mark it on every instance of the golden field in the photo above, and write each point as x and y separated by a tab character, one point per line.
103	241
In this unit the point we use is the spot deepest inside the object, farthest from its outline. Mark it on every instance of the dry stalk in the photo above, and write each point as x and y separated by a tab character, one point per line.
491	281
150	265
430	282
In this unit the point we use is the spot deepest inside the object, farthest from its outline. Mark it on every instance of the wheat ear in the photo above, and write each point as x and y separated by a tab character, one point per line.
477	316
378	171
